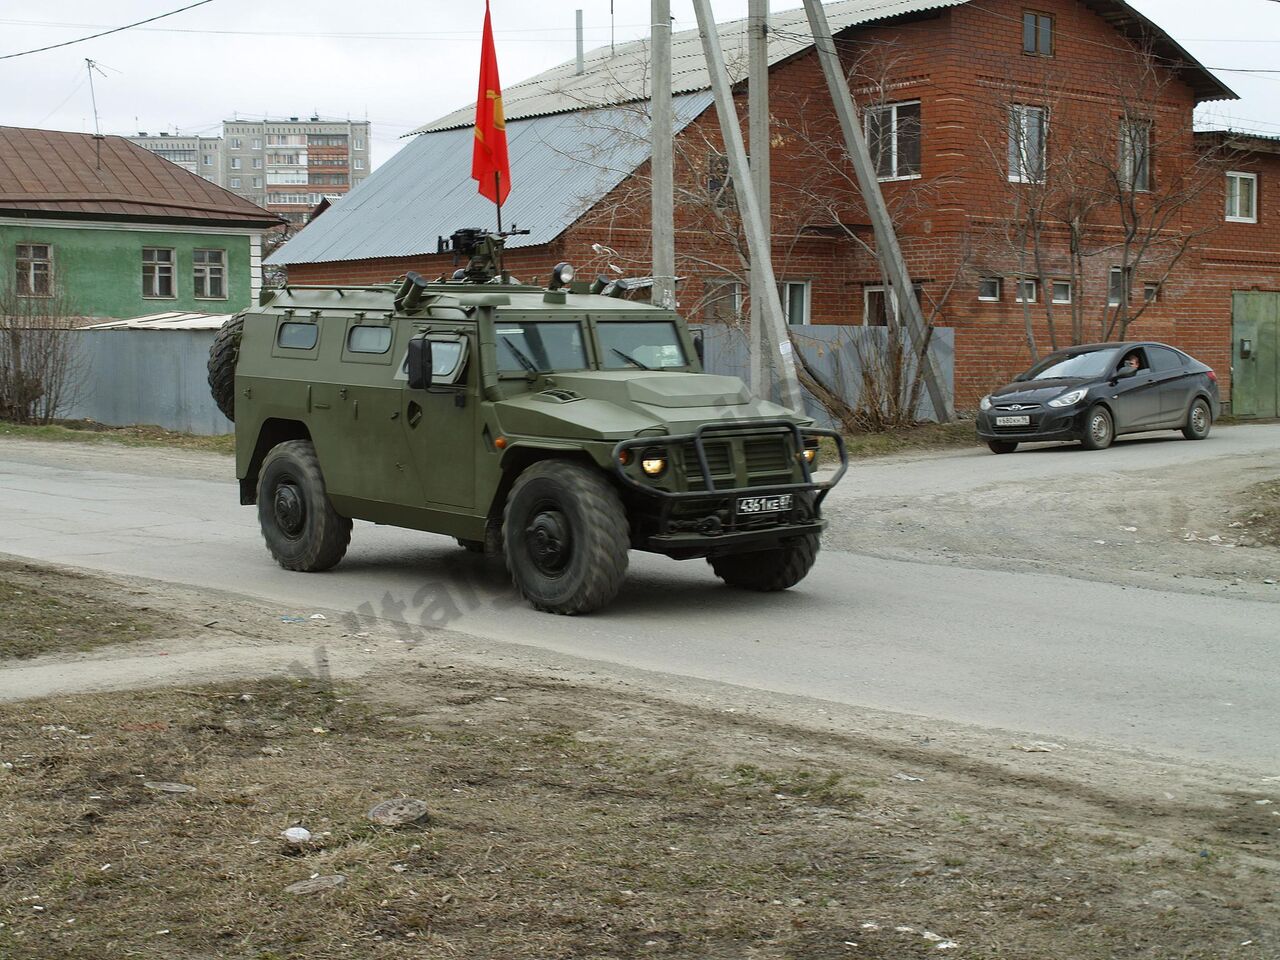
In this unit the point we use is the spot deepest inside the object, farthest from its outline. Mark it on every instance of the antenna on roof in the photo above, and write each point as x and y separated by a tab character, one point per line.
93	97
611	47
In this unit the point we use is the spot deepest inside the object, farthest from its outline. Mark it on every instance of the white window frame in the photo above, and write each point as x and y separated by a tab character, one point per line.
1021	285
999	289
359	143
236	163
1151	291
159	268
722	284
25	268
1018	114
209	271
235	143
1128	166
784	292
1126	280
357	163
1252	179
892	108
1053	291
235	183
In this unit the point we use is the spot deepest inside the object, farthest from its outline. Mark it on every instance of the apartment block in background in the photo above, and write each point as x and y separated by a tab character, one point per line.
199	155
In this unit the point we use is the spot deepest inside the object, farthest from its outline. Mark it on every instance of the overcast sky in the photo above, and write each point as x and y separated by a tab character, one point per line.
400	64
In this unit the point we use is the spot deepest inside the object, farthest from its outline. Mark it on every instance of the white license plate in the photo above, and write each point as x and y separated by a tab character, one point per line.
1013	421
752	505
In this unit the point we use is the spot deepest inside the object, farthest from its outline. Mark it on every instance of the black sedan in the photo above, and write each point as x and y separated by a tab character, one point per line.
1096	392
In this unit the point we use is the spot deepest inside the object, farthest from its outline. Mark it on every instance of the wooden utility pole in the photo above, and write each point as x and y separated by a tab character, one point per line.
662	175
758	135
758	240
887	249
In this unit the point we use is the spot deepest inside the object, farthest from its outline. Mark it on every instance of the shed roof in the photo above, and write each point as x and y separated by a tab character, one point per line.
622	75
81	176
560	165
167	321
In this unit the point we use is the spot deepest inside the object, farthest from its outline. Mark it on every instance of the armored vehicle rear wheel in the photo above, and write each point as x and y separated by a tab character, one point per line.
768	570
299	524
566	537
223	353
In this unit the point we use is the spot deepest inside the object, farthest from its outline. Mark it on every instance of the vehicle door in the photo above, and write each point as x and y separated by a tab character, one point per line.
439	423
1136	400
1176	382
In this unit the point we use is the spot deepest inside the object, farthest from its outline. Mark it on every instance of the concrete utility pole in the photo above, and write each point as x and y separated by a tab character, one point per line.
758	241
758	135
662	204
887	249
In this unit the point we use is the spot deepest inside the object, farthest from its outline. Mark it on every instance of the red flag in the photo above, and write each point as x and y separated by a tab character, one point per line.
489	166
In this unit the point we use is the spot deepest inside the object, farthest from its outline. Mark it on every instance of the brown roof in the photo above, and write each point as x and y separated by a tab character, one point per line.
80	175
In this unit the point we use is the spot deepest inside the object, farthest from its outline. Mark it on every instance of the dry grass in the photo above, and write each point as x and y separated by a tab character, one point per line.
43	611
88	431
569	823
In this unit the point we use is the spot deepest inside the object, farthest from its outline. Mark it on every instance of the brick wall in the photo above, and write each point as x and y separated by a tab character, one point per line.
966	67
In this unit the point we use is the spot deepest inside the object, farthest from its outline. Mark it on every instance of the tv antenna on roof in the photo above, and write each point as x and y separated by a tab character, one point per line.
91	66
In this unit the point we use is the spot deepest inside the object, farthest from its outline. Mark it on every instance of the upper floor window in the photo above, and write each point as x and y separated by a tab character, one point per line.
1026	291
210	271
235	183
719	183
357	163
893	137
1027	136
257	143
235	143
989	288
1135	155
880	305
235	163
1037	34
358	144
157	273
35	270
1118	282
1242	197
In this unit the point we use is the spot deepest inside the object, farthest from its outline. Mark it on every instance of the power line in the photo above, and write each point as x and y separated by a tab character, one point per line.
127	26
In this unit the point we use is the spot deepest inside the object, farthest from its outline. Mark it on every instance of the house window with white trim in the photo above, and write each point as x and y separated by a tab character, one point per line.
989	289
794	295
1242	197
1118	283
893	137
721	301
209	269
34	265
1135	155
1027	140
1061	291
880	306
1026	291
157	273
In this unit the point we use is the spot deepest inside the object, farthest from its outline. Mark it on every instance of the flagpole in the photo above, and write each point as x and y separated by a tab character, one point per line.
497	192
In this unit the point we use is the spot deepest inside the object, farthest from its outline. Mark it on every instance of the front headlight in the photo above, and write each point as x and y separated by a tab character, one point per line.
653	462
985	403
1068	399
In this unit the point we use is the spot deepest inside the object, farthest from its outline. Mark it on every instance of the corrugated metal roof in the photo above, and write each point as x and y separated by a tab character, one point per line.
624	76
61	174
560	165
167	321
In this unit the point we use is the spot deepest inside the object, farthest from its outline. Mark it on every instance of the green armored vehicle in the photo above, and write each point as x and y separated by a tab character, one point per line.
560	426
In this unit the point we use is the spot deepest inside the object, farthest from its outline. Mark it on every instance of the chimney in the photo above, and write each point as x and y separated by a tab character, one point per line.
577	16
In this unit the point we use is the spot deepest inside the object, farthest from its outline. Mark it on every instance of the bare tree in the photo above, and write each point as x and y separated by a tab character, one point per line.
39	365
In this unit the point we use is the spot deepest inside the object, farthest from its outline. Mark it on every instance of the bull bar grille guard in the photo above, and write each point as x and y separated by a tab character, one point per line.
753	429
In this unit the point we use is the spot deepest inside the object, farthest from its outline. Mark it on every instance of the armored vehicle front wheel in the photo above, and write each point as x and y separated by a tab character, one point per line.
768	570
302	530
566	537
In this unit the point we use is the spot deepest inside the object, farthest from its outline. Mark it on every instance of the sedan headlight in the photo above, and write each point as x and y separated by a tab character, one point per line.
1068	399
985	403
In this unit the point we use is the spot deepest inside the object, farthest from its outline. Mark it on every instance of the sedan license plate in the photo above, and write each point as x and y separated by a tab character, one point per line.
750	506
1023	421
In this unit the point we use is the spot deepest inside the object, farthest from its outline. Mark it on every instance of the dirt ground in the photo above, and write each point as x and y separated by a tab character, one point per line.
1196	527
568	817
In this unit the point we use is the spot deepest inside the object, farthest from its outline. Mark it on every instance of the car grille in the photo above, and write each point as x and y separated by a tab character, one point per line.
764	460
1017	407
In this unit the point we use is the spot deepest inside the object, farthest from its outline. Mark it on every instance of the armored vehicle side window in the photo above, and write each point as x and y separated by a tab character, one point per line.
651	343
364	339
297	336
540	346
448	360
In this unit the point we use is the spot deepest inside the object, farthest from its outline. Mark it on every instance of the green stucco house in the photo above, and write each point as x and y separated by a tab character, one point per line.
109	230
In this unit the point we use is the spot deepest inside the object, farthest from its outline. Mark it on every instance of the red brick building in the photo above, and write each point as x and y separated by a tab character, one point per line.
1040	164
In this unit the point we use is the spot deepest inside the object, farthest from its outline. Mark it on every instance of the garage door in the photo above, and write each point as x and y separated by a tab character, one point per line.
1255	357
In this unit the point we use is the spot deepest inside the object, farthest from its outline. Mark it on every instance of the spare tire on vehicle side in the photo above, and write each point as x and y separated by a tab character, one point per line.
223	353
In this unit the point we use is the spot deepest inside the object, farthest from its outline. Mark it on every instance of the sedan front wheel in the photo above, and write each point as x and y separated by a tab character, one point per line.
1099	428
1199	420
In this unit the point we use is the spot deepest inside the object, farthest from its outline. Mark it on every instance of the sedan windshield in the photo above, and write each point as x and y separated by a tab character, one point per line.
540	347
1085	365
645	344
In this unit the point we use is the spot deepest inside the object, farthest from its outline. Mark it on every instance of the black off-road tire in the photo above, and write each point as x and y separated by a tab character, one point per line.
1002	446
1099	428
301	528
1199	420
566	537
223	354
768	571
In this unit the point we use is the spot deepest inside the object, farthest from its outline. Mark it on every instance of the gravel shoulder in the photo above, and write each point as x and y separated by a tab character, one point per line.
572	815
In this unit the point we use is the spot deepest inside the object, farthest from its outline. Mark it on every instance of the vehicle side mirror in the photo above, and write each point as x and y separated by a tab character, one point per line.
700	347
419	365
1125	372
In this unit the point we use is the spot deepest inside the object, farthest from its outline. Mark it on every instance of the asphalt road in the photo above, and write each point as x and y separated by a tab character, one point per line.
1183	675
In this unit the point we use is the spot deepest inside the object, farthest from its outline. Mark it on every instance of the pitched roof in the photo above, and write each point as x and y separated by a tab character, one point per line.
560	165
622	75
79	175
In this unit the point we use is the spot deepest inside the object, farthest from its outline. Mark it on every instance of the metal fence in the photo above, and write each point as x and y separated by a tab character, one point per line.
152	377
836	353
